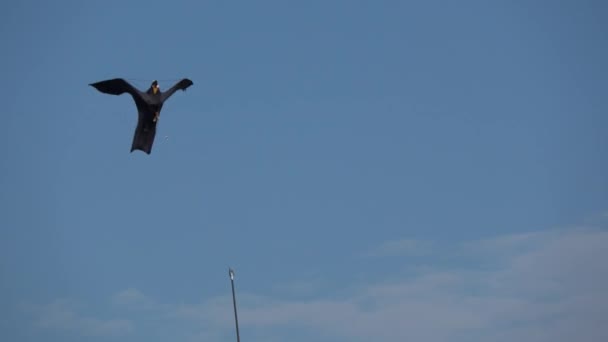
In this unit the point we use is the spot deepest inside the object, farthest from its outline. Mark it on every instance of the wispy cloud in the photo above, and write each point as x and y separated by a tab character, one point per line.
540	286
62	315
550	286
303	287
133	299
410	247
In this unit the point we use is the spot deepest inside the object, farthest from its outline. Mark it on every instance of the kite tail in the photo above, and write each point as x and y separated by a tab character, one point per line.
143	140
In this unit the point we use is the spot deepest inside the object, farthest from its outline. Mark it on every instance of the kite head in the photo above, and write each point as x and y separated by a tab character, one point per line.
155	87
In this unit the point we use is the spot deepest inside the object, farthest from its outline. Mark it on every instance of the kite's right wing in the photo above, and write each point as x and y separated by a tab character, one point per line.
181	85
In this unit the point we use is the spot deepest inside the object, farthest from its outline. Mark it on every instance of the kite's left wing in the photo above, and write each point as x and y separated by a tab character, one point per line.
116	86
181	85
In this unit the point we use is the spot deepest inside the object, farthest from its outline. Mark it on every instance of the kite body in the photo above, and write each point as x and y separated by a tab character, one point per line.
149	104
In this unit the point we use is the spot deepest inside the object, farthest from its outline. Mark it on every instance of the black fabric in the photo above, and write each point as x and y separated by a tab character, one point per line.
149	104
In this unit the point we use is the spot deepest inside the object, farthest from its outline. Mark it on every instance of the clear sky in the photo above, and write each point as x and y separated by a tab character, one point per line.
372	170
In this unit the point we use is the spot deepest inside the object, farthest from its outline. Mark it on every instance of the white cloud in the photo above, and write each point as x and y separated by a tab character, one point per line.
550	286
62	315
538	287
133	299
401	247
129	296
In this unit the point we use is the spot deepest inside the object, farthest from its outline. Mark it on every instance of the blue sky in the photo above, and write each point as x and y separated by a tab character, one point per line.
372	170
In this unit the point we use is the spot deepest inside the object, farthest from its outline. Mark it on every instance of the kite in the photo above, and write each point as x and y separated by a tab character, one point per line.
148	103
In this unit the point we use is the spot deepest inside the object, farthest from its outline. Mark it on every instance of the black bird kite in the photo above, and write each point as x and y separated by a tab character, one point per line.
148	103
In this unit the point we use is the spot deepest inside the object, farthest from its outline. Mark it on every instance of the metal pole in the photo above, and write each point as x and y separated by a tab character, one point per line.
236	320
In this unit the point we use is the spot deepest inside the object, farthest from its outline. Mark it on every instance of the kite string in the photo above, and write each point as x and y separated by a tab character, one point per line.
150	80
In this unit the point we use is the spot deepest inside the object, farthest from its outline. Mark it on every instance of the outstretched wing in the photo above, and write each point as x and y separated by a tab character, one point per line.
116	86
181	85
